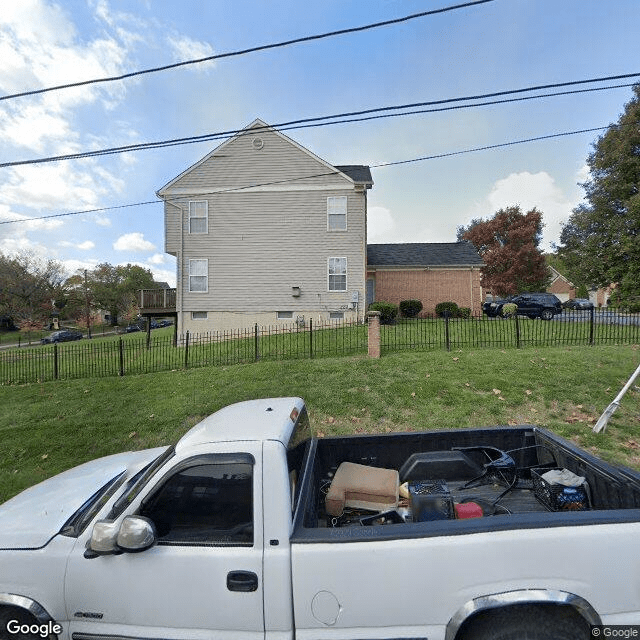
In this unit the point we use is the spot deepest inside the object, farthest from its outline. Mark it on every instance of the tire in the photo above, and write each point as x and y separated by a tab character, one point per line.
547	314
528	622
22	617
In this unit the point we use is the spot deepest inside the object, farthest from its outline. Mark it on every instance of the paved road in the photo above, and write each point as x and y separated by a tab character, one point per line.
600	317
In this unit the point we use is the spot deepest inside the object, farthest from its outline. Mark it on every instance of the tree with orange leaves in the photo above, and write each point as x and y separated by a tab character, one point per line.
509	245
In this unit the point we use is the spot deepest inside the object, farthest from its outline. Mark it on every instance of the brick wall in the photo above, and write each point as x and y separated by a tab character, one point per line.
562	288
461	286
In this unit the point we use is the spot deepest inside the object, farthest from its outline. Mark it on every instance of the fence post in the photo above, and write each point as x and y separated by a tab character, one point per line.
446	330
592	313
311	337
186	350
256	343
373	336
55	361
121	353
517	331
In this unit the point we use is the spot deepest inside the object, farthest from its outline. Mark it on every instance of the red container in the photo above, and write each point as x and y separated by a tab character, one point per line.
468	510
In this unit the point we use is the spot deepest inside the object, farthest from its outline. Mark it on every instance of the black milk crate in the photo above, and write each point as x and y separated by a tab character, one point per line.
557	497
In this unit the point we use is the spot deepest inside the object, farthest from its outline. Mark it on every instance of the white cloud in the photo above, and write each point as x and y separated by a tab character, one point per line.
184	48
164	275
24	222
39	47
158	258
103	222
380	224
531	190
584	174
73	266
55	186
134	242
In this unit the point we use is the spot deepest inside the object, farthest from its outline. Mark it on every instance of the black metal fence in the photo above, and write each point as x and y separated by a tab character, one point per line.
568	328
136	353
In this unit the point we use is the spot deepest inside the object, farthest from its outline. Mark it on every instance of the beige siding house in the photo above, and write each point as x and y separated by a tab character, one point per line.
266	232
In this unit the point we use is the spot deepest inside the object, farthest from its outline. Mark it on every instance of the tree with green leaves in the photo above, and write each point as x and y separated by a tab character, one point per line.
509	245
600	243
114	288
29	286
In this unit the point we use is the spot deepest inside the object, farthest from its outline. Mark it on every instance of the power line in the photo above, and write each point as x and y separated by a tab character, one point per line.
77	213
488	147
329	173
463	106
241	52
340	118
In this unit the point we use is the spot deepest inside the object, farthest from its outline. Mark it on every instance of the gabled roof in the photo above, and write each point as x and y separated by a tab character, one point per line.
358	174
423	254
555	275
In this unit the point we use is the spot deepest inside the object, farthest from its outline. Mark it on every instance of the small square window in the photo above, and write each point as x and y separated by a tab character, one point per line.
199	315
285	315
336	315
337	213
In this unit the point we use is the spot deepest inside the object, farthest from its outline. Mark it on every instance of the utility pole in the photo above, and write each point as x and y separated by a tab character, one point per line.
86	300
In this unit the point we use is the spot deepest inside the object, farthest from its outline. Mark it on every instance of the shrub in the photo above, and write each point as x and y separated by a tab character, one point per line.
388	311
509	309
447	308
410	308
464	312
634	307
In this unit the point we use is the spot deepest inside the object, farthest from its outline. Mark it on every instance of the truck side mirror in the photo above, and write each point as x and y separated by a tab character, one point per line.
103	539
136	533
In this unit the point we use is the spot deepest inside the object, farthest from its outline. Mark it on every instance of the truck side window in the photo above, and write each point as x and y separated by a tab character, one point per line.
205	504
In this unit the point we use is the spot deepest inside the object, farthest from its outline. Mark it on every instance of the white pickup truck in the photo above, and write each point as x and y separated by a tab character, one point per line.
250	528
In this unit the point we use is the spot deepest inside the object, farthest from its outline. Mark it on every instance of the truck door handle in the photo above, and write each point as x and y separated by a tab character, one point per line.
242	581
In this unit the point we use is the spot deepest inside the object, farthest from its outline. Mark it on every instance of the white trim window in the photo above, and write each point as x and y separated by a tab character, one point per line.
337	213
284	315
199	275
199	315
337	272
198	216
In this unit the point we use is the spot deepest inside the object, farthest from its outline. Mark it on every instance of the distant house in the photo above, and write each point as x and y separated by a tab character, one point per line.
566	290
561	286
266	232
430	272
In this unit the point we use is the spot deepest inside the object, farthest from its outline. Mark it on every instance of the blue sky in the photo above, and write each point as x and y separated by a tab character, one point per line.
502	45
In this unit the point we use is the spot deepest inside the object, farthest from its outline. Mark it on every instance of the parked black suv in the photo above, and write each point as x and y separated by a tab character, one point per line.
533	305
493	307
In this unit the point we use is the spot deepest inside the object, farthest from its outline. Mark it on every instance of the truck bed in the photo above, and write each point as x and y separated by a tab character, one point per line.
508	496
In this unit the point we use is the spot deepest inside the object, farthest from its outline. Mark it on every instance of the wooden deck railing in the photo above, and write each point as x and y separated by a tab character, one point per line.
157	300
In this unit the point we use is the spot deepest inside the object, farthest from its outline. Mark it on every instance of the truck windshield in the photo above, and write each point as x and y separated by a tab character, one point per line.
137	482
81	518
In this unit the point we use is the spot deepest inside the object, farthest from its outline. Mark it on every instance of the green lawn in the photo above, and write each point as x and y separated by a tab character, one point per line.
48	427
